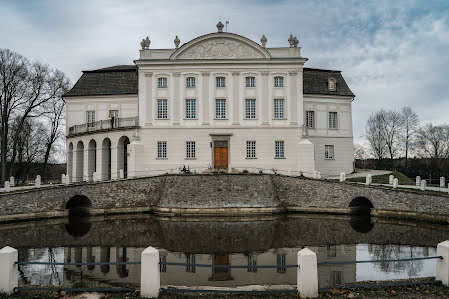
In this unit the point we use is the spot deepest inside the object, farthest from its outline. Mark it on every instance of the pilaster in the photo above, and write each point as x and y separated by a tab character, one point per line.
148	99
176	99
205	96
265	102
293	98
235	98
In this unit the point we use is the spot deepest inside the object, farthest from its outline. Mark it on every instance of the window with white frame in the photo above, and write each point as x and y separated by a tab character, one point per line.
331	84
250	108
250	149
162	108
279	108
250	82
190	261
332	120
310	119
252	263
90	116
190	82
221	81
190	149
162	149
190	108
278	81
220	108
280	261
328	152
279	149
162	82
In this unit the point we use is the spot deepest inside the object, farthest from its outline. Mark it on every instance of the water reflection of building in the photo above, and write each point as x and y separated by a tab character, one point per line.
196	276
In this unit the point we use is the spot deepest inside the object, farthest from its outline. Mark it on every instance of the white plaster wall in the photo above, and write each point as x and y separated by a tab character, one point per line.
343	155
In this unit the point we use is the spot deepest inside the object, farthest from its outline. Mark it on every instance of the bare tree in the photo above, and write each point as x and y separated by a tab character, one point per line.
433	141
410	126
375	133
393	124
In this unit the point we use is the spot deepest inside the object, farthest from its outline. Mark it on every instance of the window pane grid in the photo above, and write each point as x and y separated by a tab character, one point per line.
250	108
162	108
190	82
220	81
278	81
220	108
310	115
190	149
90	118
190	108
250	149
332	120
161	82
279	149
329	152
250	82
162	149
278	108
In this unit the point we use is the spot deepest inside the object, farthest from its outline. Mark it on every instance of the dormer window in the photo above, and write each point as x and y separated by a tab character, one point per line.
190	82
278	81
331	84
162	82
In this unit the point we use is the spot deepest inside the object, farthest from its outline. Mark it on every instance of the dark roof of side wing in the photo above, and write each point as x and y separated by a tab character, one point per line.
315	82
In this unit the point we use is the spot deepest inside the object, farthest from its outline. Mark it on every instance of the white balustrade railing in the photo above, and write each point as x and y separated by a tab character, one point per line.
125	122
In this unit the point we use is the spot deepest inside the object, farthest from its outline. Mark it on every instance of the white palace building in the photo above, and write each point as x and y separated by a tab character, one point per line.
218	102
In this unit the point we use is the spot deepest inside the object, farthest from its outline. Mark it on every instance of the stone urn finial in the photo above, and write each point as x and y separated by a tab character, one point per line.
220	26
263	40
177	41
291	41
296	42
145	43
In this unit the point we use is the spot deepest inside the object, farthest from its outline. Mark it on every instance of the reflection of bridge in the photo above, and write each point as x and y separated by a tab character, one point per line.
230	194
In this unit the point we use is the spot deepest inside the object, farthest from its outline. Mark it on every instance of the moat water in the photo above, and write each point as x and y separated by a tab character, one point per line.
249	242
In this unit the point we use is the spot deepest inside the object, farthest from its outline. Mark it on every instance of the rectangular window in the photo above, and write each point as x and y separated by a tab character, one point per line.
250	82
336	278
331	250
162	149
250	149
162	108
162	82
328	152
190	149
190	261
280	261
90	116
252	263
190	82
279	149
310	119
279	108
190	108
221	81
278	81
220	108
250	108
332	120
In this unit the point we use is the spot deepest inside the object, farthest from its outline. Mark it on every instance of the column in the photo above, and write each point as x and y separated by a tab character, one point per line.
235	98
176	98
99	166
148	99
293	99
114	166
86	164
205	97
265	102
74	175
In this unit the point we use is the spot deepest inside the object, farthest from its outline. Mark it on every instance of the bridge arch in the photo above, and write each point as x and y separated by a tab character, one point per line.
361	205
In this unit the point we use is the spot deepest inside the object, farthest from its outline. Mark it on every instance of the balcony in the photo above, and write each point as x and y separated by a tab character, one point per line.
104	125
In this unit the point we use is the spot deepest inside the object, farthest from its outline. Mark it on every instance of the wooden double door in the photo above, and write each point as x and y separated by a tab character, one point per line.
221	154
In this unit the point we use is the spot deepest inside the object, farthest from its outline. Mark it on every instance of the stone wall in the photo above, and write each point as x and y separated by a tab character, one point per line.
235	193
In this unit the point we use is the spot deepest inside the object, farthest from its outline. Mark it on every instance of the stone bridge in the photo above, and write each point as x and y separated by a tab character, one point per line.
223	195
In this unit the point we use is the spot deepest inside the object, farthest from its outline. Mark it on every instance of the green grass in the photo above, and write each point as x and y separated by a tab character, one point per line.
384	179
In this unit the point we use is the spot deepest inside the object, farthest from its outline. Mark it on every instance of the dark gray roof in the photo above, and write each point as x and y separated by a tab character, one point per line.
315	82
115	80
122	80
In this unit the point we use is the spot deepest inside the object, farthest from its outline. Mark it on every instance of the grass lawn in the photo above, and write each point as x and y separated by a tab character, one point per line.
384	179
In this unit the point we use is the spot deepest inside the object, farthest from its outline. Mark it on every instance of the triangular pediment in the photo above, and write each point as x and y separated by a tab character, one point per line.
221	46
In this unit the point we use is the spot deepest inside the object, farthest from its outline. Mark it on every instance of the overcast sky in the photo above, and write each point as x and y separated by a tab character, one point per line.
392	53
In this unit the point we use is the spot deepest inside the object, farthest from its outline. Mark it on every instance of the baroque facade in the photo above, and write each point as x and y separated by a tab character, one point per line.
218	102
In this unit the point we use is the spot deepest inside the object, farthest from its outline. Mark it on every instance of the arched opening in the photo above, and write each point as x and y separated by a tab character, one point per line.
105	257
121	269
78	205
70	160
79	222
122	156
360	206
106	159
79	162
91	159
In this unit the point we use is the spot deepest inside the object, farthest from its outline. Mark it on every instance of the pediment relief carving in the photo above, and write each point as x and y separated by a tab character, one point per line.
220	48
